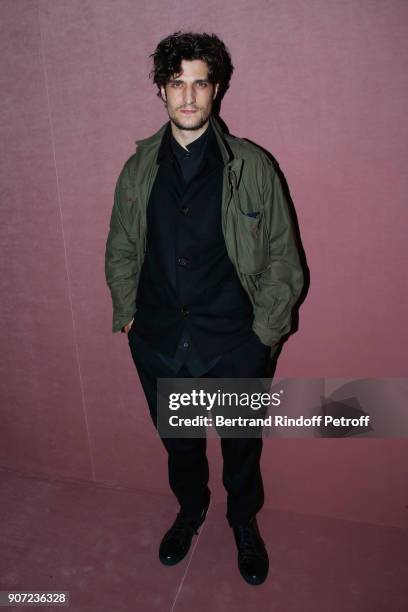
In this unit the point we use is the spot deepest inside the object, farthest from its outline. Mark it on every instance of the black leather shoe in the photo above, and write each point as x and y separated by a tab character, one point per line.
253	562
176	541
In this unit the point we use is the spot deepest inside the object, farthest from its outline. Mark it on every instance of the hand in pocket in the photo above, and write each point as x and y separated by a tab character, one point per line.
126	328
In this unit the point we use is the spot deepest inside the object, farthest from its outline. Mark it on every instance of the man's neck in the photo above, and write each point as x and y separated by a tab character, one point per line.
186	137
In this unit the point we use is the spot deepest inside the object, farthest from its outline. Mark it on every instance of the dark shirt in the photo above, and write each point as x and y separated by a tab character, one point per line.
190	163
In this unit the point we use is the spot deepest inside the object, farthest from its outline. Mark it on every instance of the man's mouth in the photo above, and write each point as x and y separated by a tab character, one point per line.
188	111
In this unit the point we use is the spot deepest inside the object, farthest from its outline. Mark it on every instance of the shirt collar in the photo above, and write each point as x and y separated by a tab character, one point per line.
195	148
206	143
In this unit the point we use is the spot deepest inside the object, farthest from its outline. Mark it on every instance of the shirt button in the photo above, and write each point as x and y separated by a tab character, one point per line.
185	210
186	344
182	261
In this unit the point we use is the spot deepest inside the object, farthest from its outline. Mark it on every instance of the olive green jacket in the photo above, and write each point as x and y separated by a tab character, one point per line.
256	225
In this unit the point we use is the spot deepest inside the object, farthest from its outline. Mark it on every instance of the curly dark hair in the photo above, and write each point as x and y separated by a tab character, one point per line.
180	46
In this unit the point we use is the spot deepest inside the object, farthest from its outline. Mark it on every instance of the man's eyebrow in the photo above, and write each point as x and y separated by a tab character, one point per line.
204	79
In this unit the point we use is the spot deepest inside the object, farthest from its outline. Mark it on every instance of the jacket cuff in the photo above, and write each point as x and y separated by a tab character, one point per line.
120	320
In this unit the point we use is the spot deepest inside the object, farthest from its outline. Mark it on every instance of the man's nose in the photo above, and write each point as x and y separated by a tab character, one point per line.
189	95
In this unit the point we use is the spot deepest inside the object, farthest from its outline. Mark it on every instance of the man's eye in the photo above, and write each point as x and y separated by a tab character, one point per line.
202	84
176	83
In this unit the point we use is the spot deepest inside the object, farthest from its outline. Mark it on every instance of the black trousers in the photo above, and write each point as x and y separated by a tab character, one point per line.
188	470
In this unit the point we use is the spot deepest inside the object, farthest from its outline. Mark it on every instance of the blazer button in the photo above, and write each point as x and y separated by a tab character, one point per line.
184	311
185	210
182	261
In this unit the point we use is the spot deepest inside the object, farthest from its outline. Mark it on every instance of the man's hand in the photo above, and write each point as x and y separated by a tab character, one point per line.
126	328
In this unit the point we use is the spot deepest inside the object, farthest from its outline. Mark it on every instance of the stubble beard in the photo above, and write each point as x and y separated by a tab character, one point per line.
202	120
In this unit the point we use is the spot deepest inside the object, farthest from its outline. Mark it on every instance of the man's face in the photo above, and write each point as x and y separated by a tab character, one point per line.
189	96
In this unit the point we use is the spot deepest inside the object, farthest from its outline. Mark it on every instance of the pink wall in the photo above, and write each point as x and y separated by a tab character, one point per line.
323	86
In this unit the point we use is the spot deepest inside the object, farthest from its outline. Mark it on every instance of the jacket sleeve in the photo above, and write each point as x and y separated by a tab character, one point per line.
280	285
121	262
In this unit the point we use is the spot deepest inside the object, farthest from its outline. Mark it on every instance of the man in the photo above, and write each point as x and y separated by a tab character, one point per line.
203	270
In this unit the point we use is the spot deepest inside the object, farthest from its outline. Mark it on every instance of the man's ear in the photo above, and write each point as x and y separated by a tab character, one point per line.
163	94
215	90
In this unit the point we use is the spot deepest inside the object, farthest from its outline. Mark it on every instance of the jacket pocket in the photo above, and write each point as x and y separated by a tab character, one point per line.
252	241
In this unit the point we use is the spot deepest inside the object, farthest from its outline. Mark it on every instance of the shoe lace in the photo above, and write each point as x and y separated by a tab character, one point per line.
182	527
247	542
